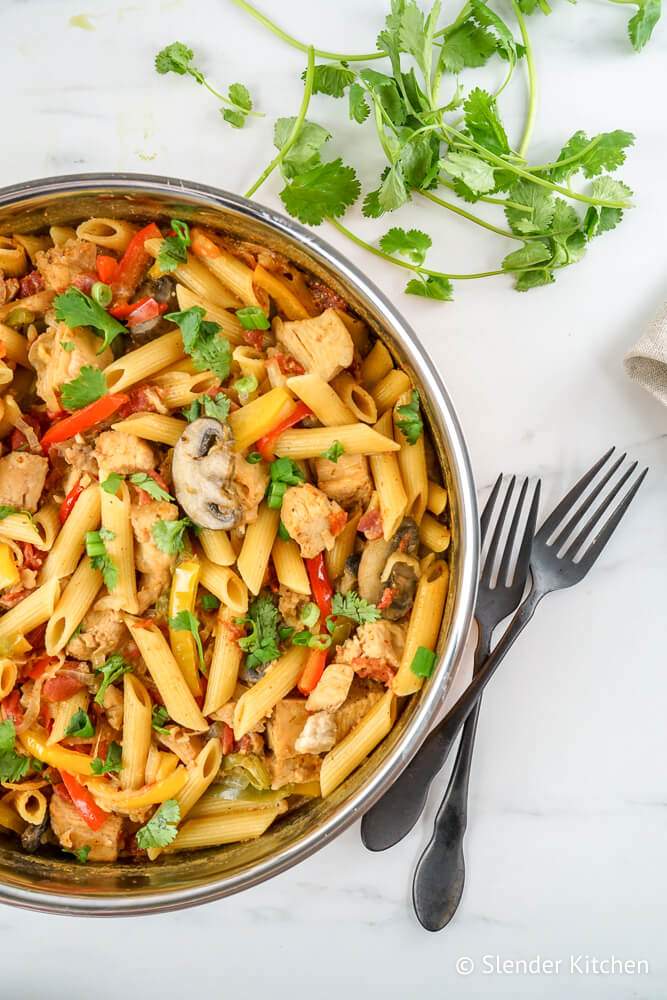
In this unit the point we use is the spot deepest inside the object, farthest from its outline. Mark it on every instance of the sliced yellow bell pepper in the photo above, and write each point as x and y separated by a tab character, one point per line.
35	743
134	800
182	598
9	572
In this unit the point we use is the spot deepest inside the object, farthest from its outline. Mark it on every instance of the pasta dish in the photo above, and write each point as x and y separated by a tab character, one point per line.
223	539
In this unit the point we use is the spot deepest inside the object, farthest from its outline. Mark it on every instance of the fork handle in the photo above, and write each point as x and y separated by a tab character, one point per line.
394	815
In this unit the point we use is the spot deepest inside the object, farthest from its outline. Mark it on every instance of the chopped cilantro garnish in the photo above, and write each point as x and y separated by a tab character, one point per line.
161	828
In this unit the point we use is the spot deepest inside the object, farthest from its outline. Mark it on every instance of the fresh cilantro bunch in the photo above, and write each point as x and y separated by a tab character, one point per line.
177	58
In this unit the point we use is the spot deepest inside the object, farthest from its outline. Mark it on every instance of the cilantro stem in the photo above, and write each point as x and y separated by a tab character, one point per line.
487	199
532	81
468	215
296	128
225	100
404	263
301	46
587	148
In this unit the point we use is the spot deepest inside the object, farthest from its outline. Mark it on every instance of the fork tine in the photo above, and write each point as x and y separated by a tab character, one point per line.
525	549
574	547
488	507
509	544
588	502
487	572
568	501
594	550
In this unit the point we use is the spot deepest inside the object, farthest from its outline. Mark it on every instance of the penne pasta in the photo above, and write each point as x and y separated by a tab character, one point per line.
355	398
437	498
137	707
32	244
295	303
179	389
257	701
424	624
289	566
250	362
195	276
356	746
412	462
224	584
224	669
23	528
15	345
386	471
8	676
13	258
342	548
199	777
227	828
30	805
253	559
140	364
33	610
115	510
217	547
389	389
68	547
152	427
377	363
47	523
228	269
10	820
356	439
435	535
325	403
61	234
62	713
182	599
111	234
75	601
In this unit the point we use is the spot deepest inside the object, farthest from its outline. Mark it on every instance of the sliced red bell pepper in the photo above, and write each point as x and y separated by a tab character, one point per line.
11	707
148	310
107	268
69	501
60	688
83	419
227	739
312	671
134	263
123	309
320	585
266	444
84	803
37	667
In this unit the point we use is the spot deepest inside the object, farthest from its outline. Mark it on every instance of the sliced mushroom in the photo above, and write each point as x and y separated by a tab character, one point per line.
202	470
400	576
371	565
348	580
31	838
381	560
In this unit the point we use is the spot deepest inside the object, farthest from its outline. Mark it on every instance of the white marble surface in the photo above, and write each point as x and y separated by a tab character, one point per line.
568	818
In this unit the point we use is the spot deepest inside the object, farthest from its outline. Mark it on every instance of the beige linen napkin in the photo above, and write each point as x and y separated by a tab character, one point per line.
646	362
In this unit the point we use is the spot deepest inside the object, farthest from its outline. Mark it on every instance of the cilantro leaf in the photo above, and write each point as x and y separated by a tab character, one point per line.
89	385
159	716
80	853
177	58
80	725
112	483
413	243
100	558
150	486
217	407
161	828
334	451
467	45
13	766
392	193
7	735
605	151
600	218
209	602
483	122
358	108
325	190
431	287
642	23
185	621
475	172
234	118
355	608
112	670
533	279
535	252
253	318
174	249
6	510
240	96
538	215
331	79
75	308
305	151
169	536
410	423
261	643
111	763
202	341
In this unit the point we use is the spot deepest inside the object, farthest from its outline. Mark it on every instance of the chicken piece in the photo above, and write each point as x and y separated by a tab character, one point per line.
185	745
332	688
113	707
55	365
293	770
347	481
375	650
74	833
116	451
285	725
79	456
22	478
147	556
363	695
311	519
290	604
251	482
321	345
8	288
102	633
318	735
60	266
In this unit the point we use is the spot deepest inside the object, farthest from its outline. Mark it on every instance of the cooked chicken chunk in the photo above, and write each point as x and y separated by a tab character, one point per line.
113	707
318	735
101	634
290	604
347	481
74	833
155	565
116	451
60	266
311	519
375	650
185	745
332	688
22	478
55	364
321	345
283	728
305	767
363	695
251	482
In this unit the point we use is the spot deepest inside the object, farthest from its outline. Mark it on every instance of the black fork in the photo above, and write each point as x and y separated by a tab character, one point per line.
550	571
498	596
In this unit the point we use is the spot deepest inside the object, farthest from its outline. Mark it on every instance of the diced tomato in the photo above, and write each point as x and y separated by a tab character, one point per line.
227	738
148	310
36	636
123	309
11	707
31	284
61	687
32	557
106	268
35	669
289	365
140	399
254	338
370	524
337	522
68	503
388	595
376	669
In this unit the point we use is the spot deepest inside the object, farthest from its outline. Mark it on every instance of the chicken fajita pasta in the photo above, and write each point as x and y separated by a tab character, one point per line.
223	539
